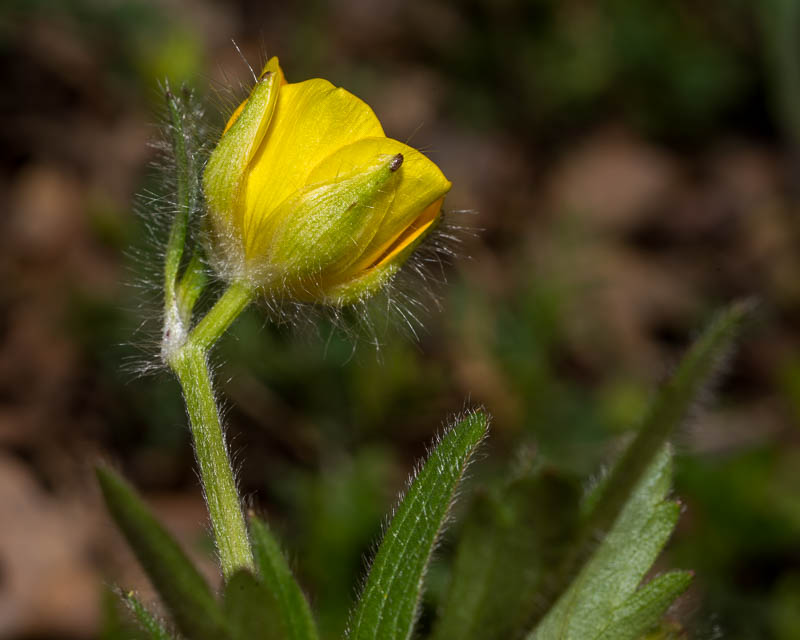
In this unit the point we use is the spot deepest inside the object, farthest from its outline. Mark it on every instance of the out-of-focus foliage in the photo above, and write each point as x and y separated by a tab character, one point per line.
605	600
498	571
142	40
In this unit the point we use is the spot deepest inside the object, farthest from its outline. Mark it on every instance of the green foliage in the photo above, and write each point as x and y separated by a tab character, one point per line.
736	523
511	538
116	623
144	42
526	550
672	68
251	610
780	21
492	597
603	601
292	604
148	622
696	372
183	590
269	607
340	510
388	606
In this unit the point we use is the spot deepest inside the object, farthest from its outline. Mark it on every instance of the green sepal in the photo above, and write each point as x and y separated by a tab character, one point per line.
327	226
182	138
389	602
278	578
190	287
252	611
362	285
183	590
224	175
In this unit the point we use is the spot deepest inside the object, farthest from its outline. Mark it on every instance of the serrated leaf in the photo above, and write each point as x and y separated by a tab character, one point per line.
388	605
696	371
510	538
148	622
183	590
647	604
604	596
278	578
251	610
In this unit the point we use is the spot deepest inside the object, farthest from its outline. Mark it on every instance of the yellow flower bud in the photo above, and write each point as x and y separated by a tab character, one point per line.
308	197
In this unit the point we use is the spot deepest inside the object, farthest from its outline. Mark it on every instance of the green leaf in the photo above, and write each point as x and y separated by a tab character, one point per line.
648	604
603	601
511	537
148	622
697	370
251	610
183	590
115	623
278	578
388	605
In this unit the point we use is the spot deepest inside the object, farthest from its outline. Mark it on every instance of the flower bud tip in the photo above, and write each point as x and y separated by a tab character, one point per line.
396	162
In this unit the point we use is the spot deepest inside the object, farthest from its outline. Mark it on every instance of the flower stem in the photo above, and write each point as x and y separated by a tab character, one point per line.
190	364
235	300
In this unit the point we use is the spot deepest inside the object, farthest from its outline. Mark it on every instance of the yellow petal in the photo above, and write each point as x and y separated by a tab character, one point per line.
420	184
361	285
311	120
409	236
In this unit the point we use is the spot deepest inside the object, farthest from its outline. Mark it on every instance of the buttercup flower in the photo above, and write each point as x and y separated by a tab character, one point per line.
308	197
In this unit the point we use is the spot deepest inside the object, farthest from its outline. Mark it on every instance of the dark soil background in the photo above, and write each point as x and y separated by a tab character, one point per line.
631	166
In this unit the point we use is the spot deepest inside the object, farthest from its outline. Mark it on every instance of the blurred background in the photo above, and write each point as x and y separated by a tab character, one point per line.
633	165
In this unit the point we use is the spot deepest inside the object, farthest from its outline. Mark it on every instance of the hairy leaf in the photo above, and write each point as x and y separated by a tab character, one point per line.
696	372
278	579
148	622
603	601
673	404
388	605
183	590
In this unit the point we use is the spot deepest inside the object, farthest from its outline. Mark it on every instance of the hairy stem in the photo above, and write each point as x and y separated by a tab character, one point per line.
190	364
235	300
